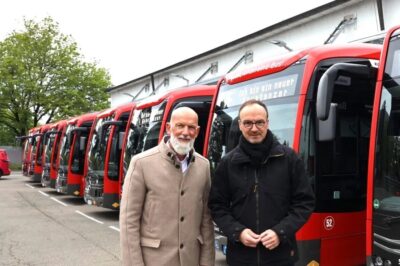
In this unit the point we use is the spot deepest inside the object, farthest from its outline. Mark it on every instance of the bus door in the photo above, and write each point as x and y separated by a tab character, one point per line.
383	240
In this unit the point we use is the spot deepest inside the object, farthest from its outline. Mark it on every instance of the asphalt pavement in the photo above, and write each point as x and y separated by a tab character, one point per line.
39	226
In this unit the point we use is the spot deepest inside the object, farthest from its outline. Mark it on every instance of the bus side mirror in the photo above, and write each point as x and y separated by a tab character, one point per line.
330	78
82	143
326	129
121	137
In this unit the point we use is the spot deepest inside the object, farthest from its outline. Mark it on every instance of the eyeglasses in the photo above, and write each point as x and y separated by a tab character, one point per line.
260	124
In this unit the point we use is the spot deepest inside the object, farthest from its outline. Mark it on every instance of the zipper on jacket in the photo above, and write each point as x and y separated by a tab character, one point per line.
257	202
257	212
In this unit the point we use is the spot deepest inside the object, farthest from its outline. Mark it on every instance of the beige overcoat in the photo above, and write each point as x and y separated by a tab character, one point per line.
164	218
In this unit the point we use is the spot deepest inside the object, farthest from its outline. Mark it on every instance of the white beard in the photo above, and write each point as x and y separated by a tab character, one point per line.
181	148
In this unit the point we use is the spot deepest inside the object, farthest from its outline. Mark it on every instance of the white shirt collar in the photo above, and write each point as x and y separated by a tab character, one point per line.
185	163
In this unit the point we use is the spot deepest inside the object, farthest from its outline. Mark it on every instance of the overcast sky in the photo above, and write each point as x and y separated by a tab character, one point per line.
136	37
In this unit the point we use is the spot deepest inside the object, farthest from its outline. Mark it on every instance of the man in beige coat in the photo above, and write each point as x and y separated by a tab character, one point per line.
164	218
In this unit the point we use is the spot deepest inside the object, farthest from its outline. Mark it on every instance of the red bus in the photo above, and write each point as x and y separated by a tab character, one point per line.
104	151
51	157
326	103
30	151
37	152
148	124
72	155
383	186
146	127
26	151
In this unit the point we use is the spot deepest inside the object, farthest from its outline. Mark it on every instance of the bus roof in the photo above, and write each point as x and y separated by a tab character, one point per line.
279	63
177	93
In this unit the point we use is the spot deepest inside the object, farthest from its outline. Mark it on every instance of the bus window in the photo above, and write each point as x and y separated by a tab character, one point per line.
279	91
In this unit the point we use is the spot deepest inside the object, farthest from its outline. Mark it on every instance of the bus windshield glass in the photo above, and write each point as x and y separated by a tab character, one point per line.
55	152
25	154
98	146
40	149
280	93
115	149
49	146
66	147
143	131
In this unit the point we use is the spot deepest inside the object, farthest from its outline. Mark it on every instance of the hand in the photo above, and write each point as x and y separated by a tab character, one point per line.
269	239
249	238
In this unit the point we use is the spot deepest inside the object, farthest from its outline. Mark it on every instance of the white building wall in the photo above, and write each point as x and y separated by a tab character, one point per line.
391	9
306	32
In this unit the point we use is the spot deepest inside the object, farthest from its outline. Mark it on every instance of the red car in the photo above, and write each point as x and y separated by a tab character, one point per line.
4	163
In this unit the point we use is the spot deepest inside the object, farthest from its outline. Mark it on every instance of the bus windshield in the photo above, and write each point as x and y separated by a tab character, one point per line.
25	154
66	147
115	153
49	146
40	149
98	146
35	141
279	91
56	149
143	131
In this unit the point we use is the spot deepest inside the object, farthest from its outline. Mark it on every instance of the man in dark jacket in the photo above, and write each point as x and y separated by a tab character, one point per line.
260	195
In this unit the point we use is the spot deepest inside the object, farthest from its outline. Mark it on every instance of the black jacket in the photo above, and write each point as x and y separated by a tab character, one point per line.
275	195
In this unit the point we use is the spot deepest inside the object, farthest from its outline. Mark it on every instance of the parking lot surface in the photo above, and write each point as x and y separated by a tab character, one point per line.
39	226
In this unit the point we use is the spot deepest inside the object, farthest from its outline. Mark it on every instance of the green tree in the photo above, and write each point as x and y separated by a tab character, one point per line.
43	77
6	136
